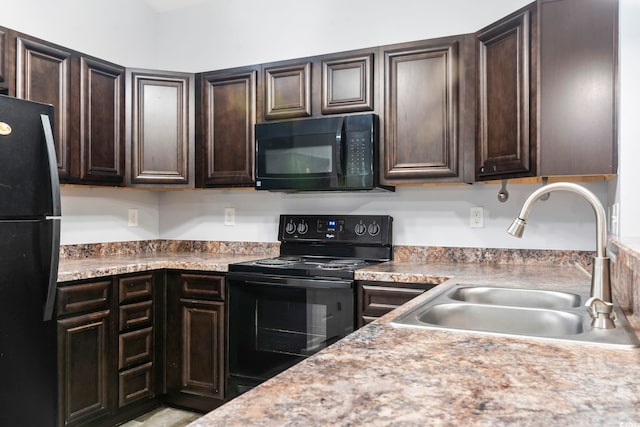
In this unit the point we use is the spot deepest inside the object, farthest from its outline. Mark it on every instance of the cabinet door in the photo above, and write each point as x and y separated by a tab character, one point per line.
226	122
420	130
4	51
83	365
195	373
347	83
43	74
378	299
287	91
198	365
161	135
578	69
101	121
504	144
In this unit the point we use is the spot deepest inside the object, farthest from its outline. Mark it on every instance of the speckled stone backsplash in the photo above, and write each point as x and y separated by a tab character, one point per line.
625	273
267	249
491	256
401	253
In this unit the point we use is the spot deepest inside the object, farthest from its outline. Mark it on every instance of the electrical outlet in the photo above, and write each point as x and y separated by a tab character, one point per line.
133	217
476	217
229	216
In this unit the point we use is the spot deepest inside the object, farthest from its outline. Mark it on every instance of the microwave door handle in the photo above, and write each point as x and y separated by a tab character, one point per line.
340	143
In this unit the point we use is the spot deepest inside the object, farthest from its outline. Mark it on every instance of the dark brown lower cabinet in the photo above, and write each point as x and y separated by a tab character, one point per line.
375	299
109	349
83	343
195	370
128	343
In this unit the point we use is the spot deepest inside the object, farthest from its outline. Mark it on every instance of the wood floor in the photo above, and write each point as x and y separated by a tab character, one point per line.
164	417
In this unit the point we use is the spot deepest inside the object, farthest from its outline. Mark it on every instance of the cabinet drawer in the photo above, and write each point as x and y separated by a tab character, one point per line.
135	384
83	297
379	300
136	315
135	347
202	286
135	288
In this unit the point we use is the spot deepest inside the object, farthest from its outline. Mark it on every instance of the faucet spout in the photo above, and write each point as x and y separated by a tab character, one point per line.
600	280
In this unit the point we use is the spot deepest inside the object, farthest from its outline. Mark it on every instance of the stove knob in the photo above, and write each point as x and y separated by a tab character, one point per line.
374	229
303	228
360	229
290	228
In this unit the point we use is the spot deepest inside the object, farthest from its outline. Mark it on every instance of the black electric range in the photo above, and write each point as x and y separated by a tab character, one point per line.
284	309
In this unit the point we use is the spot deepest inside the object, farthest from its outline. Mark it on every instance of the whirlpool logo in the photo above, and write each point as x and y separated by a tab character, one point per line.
5	129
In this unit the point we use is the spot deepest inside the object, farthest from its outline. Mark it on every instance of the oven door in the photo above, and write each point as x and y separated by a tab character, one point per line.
275	322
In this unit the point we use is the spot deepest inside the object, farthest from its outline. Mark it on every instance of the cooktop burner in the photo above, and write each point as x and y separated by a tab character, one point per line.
276	262
303	266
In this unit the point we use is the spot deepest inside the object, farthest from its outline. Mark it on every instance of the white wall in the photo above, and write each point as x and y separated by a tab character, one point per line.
222	34
629	119
212	34
433	216
120	31
92	215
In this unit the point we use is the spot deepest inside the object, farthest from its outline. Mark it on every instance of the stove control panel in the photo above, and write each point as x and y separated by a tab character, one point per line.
358	229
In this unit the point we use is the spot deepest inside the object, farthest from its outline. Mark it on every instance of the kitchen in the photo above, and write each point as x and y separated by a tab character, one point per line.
424	216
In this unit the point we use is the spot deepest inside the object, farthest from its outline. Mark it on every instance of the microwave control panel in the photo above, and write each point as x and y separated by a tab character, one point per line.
359	153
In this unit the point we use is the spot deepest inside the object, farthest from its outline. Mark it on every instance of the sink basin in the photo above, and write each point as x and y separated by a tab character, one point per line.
510	320
515	297
533	313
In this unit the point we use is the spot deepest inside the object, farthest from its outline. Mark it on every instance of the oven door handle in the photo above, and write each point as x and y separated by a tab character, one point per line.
304	283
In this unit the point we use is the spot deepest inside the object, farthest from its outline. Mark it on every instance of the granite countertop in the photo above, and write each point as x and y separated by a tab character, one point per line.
87	268
383	375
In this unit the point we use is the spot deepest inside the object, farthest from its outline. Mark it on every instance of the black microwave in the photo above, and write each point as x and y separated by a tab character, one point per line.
322	154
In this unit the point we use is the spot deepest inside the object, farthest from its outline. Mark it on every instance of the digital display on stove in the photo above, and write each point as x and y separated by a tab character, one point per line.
331	223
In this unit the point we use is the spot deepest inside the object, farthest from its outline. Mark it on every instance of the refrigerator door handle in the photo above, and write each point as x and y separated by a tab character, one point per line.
52	283
53	165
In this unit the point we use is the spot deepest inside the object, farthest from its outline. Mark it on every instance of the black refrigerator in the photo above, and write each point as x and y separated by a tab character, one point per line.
29	248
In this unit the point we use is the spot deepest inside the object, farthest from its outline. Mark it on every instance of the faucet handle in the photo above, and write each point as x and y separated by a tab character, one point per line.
601	313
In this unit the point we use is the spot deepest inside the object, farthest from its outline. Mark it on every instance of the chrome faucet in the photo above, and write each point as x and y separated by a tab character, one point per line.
600	305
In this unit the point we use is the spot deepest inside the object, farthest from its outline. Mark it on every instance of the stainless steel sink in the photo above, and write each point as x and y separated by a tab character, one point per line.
508	320
539	314
515	297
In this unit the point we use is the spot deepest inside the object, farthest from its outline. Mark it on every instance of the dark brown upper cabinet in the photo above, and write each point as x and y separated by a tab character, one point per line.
225	119
43	74
88	99
101	118
548	91
161	135
578	87
347	83
504	97
287	90
428	119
